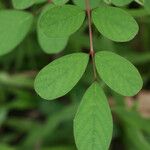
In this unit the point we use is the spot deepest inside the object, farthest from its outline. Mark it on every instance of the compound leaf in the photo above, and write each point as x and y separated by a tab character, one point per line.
115	23
57	22
14	25
118	73
93	121
50	45
60	76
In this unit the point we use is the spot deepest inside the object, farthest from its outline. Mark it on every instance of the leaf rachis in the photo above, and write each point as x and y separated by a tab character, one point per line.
92	53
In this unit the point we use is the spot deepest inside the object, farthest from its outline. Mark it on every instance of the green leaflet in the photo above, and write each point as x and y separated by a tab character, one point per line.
60	76
121	2
50	45
118	73
82	4
57	22
60	2
115	23
14	25
93	122
22	4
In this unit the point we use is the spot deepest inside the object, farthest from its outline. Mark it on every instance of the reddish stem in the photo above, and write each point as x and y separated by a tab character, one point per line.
88	10
92	53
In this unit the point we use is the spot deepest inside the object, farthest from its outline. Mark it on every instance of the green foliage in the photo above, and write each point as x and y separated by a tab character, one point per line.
132	118
52	26
5	147
119	25
93	121
141	2
59	148
24	4
93	4
3	114
54	20
135	138
40	1
14	25
121	2
18	4
60	76
147	5
133	124
60	2
118	73
50	44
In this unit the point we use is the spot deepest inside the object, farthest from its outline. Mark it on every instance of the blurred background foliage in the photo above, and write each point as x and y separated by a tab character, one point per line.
29	122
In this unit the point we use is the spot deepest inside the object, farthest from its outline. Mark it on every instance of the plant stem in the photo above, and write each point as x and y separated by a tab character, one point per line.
92	53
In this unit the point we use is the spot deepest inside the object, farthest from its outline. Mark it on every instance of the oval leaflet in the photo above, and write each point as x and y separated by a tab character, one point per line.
93	122
50	45
118	73
14	26
57	22
60	76
115	23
